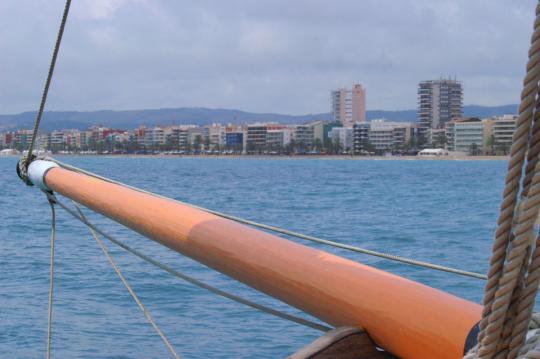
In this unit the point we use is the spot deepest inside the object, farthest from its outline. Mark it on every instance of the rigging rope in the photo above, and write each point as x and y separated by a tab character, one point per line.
29	158
192	280
514	273
391	257
51	276
130	290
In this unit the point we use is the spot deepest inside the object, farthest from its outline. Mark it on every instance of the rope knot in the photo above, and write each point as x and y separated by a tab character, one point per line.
22	169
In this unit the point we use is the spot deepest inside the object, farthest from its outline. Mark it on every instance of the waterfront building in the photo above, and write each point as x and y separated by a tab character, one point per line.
55	141
275	140
195	138
72	139
349	106
361	138
463	133
6	139
22	139
318	131
216	136
342	137
503	130
435	137
468	135
256	137
154	137
388	136
234	140
303	136
179	137
327	127
439	101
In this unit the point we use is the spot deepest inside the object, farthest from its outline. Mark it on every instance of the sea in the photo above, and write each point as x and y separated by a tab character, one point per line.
443	212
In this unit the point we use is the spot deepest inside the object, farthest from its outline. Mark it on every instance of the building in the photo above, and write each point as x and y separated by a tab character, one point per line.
256	137
6	139
342	137
503	130
234	140
55	140
349	106
435	137
275	140
388	136
147	137
304	136
177	137
439	101
327	127
22	138
318	131
468	135
361	138
195	138
216	136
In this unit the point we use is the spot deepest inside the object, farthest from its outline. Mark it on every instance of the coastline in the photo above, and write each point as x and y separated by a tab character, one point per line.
298	157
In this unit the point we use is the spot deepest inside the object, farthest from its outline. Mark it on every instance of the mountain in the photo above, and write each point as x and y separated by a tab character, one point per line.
484	111
55	120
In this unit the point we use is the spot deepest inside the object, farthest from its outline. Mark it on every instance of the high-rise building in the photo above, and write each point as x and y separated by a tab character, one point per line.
349	106
439	101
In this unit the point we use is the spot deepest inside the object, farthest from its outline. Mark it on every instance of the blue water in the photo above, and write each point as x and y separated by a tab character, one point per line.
439	211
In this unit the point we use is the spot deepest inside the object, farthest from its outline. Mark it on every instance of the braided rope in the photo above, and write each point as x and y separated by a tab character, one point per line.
513	330
503	237
523	234
47	83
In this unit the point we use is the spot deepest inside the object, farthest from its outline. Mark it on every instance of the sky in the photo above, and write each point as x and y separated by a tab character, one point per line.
280	56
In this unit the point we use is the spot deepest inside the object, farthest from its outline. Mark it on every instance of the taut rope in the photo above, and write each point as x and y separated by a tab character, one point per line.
189	279
287	232
130	290
23	165
51	276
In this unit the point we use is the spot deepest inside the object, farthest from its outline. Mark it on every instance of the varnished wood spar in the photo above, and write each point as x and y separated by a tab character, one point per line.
342	343
407	318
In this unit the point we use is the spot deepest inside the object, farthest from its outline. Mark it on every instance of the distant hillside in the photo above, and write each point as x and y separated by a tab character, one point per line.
200	116
483	111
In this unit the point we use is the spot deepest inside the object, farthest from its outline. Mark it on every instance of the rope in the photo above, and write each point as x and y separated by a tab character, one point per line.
51	278
194	281
514	273
130	290
47	83
387	256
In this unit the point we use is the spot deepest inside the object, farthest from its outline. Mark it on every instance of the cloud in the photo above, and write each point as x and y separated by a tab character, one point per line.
278	56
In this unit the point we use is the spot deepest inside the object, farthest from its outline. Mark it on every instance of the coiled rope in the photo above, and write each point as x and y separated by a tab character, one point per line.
514	273
391	257
78	215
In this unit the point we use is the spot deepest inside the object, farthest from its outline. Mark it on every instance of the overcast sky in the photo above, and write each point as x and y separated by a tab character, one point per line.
279	56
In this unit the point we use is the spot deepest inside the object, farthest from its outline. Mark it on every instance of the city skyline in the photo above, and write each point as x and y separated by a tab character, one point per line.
260	57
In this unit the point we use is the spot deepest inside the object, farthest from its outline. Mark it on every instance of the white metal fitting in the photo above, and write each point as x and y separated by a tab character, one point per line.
38	170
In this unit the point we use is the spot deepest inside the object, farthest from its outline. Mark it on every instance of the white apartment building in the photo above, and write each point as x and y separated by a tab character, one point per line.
503	129
466	134
385	136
